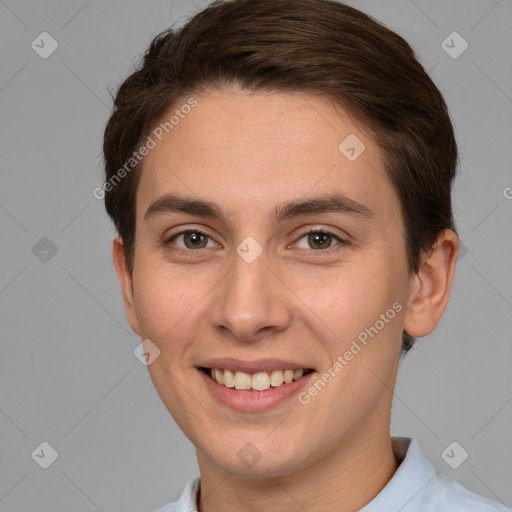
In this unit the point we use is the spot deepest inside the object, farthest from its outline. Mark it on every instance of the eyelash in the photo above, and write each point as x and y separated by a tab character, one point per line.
169	240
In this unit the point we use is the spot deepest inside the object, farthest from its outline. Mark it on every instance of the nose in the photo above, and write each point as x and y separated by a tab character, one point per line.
251	302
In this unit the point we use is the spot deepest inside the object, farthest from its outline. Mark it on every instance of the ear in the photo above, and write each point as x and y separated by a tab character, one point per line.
430	287
126	281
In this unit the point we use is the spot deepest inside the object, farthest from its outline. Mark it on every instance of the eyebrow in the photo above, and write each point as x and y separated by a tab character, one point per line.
331	203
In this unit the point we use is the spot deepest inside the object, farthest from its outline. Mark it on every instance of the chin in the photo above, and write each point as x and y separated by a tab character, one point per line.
257	459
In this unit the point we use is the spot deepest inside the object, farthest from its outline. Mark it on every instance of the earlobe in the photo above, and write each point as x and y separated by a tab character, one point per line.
126	282
430	288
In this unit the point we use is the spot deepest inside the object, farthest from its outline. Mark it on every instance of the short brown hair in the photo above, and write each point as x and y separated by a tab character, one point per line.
318	46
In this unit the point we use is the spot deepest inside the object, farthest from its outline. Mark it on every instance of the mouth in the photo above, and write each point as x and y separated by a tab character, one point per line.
253	386
255	382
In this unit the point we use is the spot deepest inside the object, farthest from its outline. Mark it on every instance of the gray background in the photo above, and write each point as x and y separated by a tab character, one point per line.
68	375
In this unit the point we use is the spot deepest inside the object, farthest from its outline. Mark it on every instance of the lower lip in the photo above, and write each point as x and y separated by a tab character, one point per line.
254	401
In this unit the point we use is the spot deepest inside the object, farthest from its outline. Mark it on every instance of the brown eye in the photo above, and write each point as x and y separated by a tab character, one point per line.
191	239
196	240
319	240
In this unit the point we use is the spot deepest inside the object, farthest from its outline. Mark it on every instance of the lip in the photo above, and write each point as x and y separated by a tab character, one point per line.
254	401
259	365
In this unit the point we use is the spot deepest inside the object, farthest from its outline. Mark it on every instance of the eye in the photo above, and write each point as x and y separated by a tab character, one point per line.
192	239
319	240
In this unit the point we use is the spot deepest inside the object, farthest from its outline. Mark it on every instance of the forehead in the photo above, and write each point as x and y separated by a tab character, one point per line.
253	151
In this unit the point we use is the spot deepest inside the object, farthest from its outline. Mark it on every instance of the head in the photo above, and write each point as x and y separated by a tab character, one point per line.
254	124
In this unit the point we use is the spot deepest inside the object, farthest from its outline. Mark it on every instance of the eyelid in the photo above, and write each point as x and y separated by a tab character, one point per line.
326	231
187	229
314	229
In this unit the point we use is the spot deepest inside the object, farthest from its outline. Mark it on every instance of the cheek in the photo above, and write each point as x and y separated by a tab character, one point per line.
168	304
159	301
153	307
347	299
357	306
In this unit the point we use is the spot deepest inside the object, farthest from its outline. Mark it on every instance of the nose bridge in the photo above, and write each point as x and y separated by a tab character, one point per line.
248	302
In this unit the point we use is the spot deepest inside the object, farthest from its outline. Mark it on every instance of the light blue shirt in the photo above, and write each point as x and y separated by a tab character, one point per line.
415	487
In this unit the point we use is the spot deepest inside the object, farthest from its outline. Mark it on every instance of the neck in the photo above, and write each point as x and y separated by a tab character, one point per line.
345	479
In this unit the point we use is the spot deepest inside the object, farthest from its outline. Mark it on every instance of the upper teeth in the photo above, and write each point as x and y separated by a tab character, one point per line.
257	381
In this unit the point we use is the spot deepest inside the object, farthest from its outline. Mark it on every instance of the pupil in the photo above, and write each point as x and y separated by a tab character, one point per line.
195	238
316	239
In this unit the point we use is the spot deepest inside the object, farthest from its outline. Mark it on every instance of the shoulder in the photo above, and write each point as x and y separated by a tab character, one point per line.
417	487
450	496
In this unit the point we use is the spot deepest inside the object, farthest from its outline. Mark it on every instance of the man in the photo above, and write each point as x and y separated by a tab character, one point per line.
280	177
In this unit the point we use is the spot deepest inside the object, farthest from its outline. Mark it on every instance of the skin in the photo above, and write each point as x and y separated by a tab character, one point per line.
248	153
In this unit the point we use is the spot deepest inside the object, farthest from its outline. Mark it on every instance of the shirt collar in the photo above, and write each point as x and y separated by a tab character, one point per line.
404	491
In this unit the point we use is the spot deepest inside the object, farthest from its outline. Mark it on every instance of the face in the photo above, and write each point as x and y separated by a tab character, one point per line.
296	262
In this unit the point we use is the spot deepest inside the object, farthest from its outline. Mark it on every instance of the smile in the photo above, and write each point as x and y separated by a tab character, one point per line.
260	381
254	386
